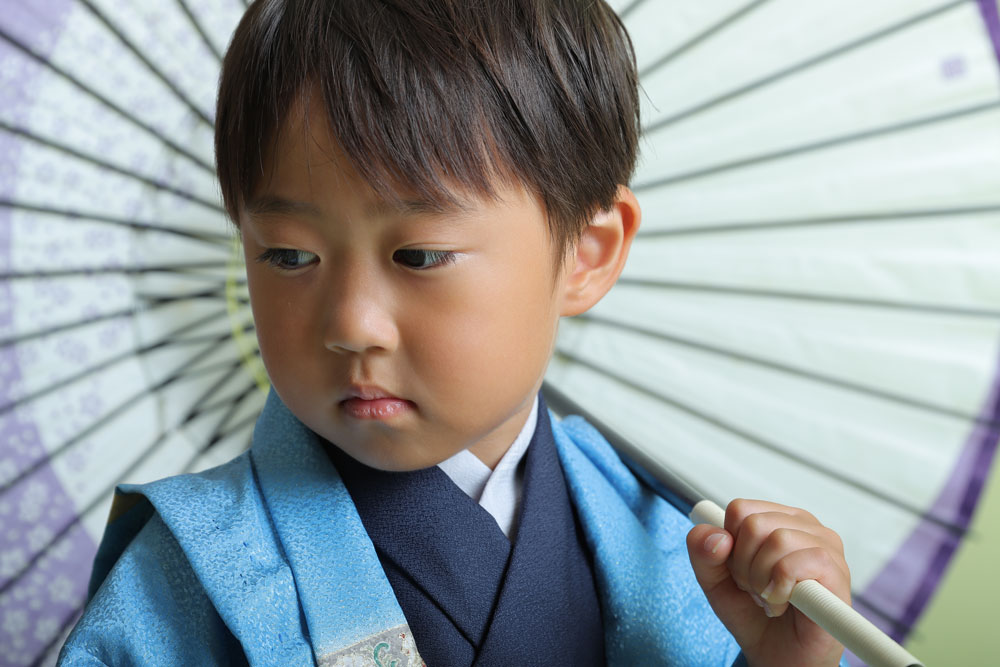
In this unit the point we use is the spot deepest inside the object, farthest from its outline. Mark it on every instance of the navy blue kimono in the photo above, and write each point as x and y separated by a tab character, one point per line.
470	596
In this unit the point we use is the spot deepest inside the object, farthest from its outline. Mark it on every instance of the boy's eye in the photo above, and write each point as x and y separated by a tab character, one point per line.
422	259
286	258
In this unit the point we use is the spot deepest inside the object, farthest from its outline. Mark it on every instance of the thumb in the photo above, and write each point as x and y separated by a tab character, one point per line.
708	548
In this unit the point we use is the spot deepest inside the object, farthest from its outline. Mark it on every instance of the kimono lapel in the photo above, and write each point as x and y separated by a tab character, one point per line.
211	536
548	600
444	554
654	610
346	601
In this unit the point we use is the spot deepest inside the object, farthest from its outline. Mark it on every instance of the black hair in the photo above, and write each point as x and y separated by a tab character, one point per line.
437	96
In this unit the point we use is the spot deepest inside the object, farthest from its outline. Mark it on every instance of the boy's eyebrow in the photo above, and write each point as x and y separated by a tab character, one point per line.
413	207
272	205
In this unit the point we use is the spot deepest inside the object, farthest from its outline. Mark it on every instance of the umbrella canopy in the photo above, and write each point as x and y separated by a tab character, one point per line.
815	285
810	314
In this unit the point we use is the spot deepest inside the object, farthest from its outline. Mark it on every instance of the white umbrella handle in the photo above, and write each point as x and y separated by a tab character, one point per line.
829	612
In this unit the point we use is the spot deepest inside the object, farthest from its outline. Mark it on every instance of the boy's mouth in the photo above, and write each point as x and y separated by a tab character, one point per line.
365	402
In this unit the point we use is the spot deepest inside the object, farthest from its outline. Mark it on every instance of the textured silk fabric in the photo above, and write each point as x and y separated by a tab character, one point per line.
654	610
266	556
205	567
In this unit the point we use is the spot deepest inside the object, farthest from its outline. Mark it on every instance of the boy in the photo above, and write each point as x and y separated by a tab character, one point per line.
423	188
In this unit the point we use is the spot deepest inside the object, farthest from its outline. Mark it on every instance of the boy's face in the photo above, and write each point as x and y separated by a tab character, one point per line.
401	336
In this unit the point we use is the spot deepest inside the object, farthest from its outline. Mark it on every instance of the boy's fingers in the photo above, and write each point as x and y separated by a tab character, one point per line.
815	563
770	565
709	548
765	537
737	511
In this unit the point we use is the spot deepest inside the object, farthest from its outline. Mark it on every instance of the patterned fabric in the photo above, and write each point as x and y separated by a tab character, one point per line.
265	560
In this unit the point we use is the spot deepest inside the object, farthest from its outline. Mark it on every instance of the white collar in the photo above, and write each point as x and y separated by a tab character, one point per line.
498	491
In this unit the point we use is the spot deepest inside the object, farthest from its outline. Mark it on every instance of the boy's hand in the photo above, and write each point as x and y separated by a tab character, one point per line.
749	569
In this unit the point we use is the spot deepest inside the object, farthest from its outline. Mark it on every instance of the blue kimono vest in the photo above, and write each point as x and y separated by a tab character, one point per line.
266	561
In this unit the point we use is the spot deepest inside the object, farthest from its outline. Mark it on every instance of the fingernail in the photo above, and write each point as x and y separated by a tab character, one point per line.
766	593
714	541
767	610
756	598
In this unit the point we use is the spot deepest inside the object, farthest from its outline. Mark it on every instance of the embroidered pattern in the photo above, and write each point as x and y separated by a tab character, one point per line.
394	647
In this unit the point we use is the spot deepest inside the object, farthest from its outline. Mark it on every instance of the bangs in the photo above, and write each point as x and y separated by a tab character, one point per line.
439	99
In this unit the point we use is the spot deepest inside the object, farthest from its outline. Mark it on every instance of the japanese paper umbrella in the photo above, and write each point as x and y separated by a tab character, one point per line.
810	314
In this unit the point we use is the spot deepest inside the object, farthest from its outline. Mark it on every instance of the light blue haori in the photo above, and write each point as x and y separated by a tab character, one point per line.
266	557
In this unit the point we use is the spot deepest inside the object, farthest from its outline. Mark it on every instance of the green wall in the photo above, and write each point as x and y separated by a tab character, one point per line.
962	624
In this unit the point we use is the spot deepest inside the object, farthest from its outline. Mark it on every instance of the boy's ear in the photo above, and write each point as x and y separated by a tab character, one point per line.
599	256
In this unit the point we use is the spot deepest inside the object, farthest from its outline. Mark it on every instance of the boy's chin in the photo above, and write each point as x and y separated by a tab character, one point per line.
392	461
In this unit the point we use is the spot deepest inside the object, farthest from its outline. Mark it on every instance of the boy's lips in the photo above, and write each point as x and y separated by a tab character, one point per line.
366	402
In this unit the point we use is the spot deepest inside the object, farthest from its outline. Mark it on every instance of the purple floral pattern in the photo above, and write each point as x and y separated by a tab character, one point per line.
40	596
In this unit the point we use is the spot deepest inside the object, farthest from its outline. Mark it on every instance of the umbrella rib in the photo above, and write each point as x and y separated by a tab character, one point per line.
222	434
211	407
71	617
812	298
135	352
631	7
707	33
900	629
190	271
762	443
157	300
802	66
194	274
200	30
209	338
819	378
183	194
147	62
212	238
111	270
847	218
132	118
154	303
820	145
220	431
107	363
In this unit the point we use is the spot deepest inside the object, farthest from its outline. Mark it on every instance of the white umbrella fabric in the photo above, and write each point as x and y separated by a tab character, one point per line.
815	288
811	313
120	325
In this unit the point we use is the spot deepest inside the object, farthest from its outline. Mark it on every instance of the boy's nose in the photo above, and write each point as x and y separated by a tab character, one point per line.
359	316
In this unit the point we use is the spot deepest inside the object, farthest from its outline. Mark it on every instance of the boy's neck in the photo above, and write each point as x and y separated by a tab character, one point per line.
497	490
495	445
